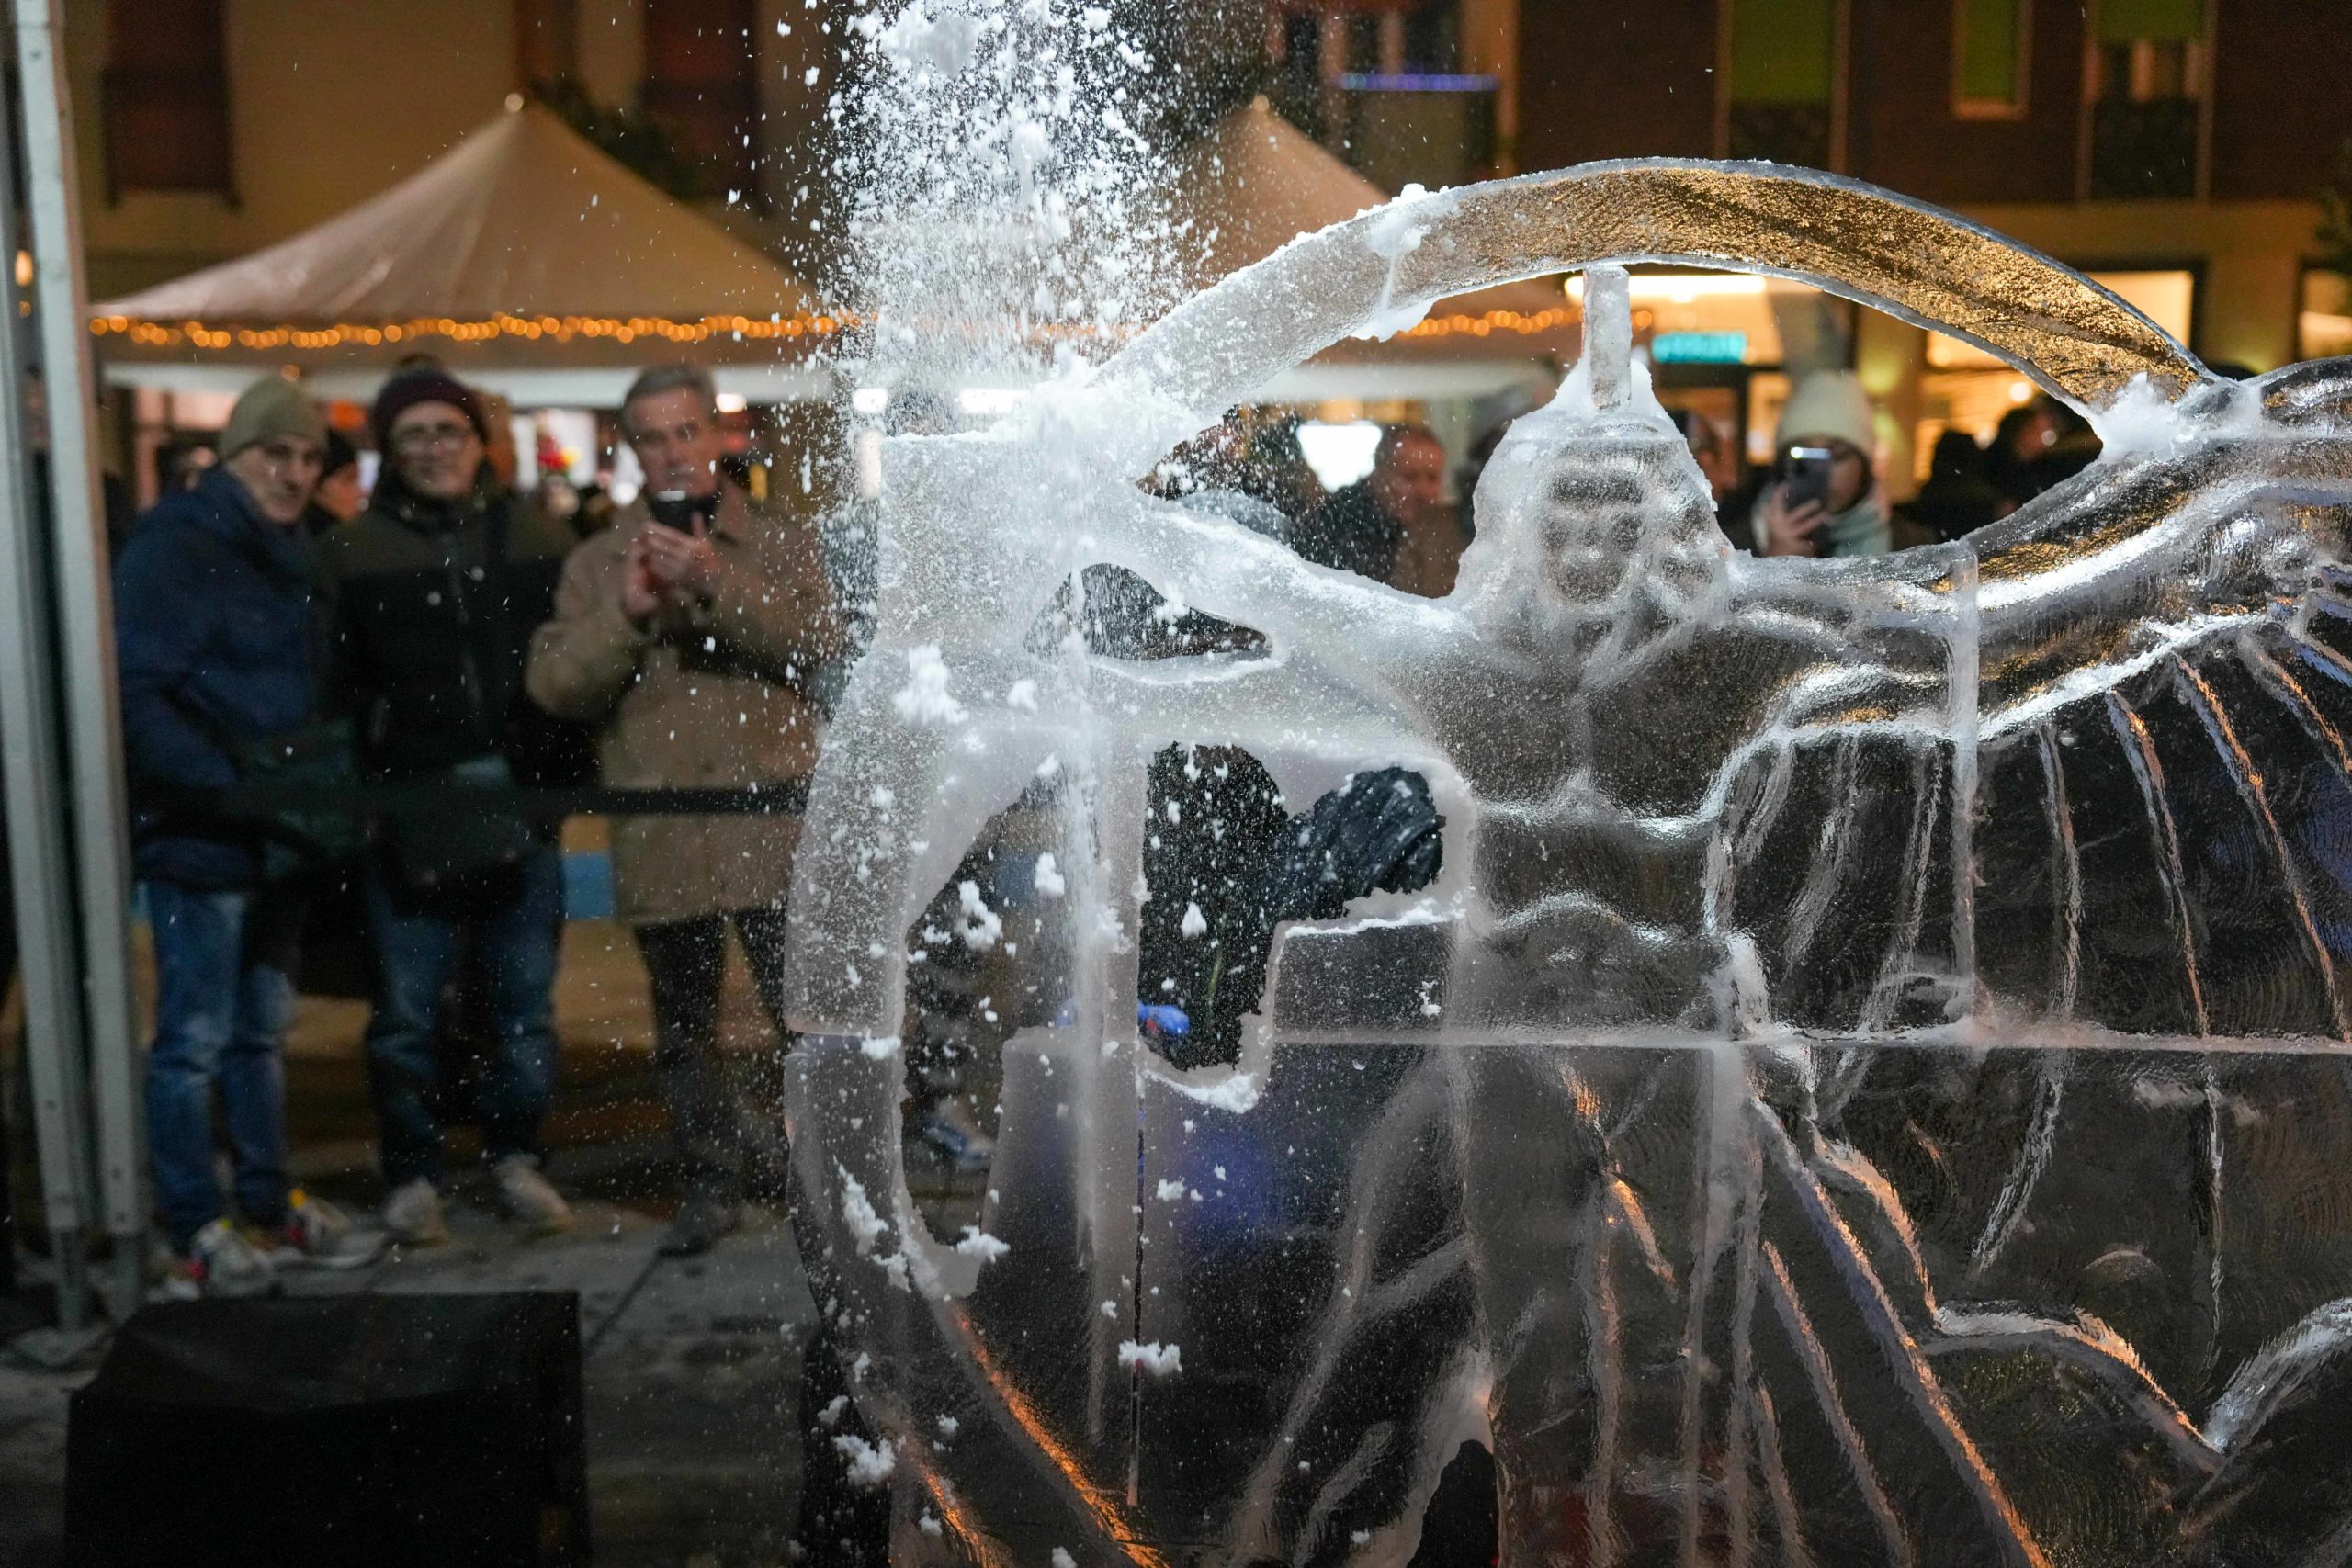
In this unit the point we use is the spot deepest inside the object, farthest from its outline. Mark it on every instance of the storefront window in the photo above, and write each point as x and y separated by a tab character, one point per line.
2323	315
1966	389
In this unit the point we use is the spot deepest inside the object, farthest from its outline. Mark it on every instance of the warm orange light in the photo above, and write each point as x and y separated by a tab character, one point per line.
530	328
1096	1499
563	329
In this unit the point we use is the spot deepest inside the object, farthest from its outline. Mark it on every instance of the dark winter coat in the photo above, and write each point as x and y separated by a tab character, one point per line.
1354	533
432	626
218	641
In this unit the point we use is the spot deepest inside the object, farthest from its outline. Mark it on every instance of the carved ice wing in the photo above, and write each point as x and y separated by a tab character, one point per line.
2164	810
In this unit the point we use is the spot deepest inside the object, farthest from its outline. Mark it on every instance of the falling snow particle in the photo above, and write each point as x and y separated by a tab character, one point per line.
869	1465
1159	1360
923	700
978	1244
979	926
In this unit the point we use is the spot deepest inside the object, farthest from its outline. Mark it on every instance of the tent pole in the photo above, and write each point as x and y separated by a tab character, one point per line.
94	732
41	833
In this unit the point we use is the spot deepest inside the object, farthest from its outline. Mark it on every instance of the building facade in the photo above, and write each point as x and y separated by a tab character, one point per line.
2173	148
209	129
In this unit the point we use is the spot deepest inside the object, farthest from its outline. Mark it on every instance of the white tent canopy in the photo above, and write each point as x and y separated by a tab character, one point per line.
1256	181
524	257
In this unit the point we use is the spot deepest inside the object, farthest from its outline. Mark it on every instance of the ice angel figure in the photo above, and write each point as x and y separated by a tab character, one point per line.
1867	1083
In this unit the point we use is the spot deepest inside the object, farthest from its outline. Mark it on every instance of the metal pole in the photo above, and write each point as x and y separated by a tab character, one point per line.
41	828
86	615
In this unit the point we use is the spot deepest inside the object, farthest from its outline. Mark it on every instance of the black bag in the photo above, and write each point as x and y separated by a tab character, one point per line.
300	840
426	850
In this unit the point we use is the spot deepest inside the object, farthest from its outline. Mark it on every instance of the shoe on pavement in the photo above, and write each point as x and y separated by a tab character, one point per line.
411	1216
700	1221
221	1262
317	1235
528	1198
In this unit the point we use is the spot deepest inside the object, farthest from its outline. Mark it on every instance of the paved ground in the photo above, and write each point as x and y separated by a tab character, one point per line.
692	1367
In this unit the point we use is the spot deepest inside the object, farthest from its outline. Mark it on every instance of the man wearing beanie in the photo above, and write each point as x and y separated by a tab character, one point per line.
437	586
219	656
1828	411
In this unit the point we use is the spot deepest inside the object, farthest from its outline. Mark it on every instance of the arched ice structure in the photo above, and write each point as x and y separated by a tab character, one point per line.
1867	1084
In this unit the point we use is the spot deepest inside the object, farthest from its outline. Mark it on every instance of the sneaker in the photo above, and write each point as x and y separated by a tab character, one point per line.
317	1235
528	1198
700	1221
220	1262
948	1127
411	1216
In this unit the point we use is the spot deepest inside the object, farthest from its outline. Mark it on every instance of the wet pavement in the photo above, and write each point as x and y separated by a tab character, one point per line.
693	1366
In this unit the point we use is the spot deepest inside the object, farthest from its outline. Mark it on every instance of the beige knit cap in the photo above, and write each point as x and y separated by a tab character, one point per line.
271	407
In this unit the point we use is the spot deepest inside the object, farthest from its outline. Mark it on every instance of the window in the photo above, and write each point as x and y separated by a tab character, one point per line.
2166	296
164	97
701	82
2147	81
1991	46
2323	322
1784	96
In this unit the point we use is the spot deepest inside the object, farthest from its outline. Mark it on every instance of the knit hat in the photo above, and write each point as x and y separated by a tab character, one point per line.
271	407
1830	403
424	385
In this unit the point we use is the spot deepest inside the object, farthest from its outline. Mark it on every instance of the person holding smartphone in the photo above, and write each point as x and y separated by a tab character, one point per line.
1824	499
691	635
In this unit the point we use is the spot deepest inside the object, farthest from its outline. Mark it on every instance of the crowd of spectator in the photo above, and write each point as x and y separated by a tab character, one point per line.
439	632
278	620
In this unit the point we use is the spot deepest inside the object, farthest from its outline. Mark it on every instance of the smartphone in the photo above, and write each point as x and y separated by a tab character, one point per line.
677	510
1804	475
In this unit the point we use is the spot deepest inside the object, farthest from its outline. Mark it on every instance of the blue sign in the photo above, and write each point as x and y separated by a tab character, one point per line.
1699	348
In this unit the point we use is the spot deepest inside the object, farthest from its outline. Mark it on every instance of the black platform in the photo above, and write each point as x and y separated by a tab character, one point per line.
370	1429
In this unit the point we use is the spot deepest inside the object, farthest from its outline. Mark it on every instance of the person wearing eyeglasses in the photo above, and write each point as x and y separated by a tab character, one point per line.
219	653
437	587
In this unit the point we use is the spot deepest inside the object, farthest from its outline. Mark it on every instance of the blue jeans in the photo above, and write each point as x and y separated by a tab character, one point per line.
224	993
510	921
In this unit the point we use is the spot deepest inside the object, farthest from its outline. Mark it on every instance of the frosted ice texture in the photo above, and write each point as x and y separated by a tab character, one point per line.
1866	1084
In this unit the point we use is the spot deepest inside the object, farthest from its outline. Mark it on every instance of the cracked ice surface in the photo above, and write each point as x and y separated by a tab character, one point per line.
1867	1084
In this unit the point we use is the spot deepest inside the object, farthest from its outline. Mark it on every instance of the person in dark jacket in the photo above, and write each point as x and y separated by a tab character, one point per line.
217	647
1372	526
1958	499
437	587
340	495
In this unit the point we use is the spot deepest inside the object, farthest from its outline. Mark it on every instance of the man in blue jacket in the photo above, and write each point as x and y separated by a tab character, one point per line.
219	647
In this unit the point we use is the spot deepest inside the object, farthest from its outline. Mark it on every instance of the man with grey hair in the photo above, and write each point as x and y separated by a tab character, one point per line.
690	633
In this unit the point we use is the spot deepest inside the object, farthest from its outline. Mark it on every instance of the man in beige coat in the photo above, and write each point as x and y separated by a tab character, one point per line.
690	632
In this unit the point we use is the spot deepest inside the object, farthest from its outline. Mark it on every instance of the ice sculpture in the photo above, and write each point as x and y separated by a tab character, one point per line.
1865	1085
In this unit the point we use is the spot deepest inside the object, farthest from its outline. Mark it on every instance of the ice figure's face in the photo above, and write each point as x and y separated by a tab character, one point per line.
1592	527
1602	514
